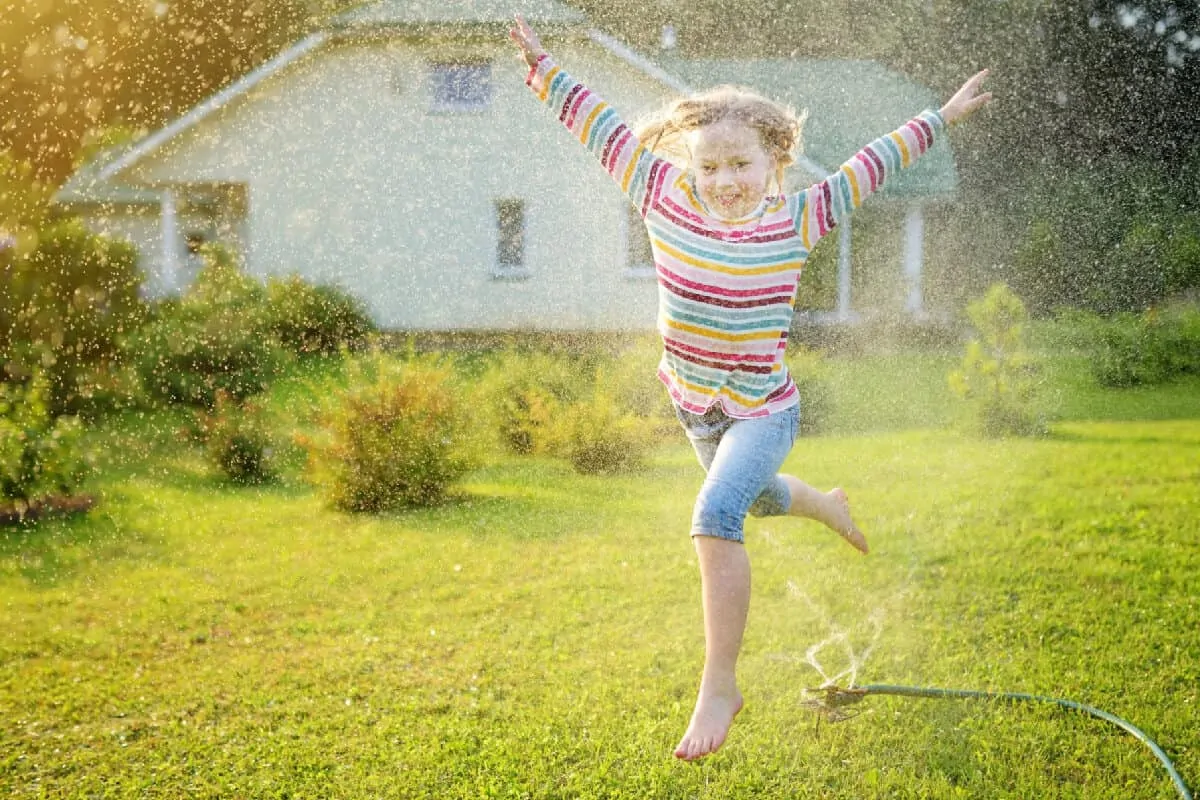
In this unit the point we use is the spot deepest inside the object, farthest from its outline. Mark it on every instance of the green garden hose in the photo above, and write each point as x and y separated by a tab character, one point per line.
833	699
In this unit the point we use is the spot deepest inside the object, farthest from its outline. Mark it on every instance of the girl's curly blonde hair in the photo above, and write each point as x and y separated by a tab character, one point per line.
778	126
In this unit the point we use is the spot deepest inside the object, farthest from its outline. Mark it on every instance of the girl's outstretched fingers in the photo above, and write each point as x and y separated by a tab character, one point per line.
523	37
967	100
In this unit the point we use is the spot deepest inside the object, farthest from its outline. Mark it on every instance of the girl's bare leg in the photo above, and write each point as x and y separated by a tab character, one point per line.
831	508
725	588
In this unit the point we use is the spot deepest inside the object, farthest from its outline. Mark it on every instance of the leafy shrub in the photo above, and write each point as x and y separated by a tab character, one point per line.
215	338
811	375
1040	271
398	436
66	303
109	384
1110	237
1143	349
40	455
998	374
316	319
599	436
525	392
637	389
237	440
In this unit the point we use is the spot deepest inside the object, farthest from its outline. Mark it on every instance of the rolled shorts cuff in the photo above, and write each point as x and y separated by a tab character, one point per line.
726	534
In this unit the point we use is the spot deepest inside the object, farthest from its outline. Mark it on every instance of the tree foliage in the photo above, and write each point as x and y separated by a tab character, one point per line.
998	375
66	305
69	68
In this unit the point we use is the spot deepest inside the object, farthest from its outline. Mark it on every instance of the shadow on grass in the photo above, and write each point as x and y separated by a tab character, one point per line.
54	549
535	498
50	551
1156	432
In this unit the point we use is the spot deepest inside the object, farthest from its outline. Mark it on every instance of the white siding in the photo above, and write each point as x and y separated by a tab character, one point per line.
352	181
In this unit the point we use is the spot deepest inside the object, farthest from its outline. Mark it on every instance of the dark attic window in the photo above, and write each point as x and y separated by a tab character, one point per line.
460	86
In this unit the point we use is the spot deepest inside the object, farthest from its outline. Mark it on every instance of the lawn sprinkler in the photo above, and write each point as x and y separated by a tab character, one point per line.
835	704
832	703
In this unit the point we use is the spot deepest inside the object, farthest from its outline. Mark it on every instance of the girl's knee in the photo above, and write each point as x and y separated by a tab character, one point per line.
775	501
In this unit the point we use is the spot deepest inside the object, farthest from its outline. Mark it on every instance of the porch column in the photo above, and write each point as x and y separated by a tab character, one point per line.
169	267
843	274
914	247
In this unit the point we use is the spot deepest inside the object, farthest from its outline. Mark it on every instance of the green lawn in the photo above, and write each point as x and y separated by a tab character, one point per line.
540	636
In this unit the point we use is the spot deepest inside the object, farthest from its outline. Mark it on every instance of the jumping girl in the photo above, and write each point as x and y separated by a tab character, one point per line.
728	248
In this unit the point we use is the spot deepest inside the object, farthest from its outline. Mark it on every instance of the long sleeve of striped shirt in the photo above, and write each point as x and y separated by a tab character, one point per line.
640	174
726	288
824	204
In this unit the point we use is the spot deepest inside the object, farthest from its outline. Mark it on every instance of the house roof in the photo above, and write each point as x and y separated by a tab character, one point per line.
849	101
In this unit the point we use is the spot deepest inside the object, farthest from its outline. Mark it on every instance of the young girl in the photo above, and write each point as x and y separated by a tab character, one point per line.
728	250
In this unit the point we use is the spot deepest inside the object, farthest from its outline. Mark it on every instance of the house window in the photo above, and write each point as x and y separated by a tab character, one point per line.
510	238
460	86
639	259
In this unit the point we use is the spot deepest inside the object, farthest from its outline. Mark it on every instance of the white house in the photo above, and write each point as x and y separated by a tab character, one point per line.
398	154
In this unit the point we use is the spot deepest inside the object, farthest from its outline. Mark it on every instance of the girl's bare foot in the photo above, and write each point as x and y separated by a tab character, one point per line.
831	509
841	521
709	726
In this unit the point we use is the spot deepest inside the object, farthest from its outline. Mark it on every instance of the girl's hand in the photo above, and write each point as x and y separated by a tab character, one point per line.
524	38
966	101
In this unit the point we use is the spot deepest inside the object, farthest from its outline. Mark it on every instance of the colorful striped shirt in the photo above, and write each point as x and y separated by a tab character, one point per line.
726	289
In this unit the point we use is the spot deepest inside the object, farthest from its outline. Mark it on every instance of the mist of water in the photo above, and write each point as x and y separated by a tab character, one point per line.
837	658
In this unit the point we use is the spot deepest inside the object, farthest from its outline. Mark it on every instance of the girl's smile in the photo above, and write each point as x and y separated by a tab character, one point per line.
731	167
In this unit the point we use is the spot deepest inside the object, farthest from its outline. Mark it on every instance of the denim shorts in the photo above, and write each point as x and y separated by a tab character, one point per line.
742	458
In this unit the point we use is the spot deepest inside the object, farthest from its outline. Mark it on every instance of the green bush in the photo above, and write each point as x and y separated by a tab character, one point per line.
998	374
316	319
215	338
41	455
633	376
66	304
398	436
1114	236
811	375
1040	271
237	440
599	436
1143	349
525	391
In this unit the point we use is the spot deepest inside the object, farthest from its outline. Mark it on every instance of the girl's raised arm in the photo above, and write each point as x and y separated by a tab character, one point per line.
594	123
824	204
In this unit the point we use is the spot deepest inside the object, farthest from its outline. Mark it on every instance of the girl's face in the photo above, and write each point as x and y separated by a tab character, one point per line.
732	169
